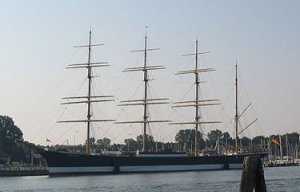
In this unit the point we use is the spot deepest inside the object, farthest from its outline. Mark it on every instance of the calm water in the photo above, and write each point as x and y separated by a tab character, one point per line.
278	179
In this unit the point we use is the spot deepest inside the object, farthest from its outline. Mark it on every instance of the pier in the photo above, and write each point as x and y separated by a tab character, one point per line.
23	171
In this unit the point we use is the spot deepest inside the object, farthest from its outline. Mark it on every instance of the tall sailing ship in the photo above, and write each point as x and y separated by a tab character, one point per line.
61	163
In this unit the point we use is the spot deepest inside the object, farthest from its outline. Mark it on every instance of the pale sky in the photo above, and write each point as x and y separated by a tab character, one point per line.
37	40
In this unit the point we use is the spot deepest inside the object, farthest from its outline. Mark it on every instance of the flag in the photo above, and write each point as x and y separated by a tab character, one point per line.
48	140
276	141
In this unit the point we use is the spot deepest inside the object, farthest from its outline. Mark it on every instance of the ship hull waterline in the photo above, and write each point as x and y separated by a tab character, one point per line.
73	164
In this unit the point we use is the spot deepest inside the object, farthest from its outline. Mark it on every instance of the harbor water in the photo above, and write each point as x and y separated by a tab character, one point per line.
277	179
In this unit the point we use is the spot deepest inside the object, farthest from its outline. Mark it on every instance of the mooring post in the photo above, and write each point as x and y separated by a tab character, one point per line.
253	175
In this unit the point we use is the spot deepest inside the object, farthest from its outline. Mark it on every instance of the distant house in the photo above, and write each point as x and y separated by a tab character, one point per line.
4	157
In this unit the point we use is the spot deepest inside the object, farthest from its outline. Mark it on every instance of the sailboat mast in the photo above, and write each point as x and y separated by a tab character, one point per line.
287	146
89	97
197	117
145	117
236	110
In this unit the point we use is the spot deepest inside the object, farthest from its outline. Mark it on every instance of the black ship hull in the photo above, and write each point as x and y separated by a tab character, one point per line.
68	163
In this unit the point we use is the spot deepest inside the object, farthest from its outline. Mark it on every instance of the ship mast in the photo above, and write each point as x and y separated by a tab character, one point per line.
197	103
145	101
238	116
89	99
87	150
236	111
197	84
145	96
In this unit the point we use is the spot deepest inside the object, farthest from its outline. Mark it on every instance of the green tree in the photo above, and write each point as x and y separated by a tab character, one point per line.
214	135
11	138
186	139
103	143
9	130
258	140
149	141
226	138
131	144
293	138
245	141
92	141
117	147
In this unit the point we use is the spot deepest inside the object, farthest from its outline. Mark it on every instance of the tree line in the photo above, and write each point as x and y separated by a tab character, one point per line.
13	144
214	142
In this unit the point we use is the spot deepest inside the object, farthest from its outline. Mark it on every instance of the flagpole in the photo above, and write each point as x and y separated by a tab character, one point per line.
280	147
270	154
287	146
275	152
296	154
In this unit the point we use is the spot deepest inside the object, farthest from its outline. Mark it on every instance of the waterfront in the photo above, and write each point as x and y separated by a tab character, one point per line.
277	179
